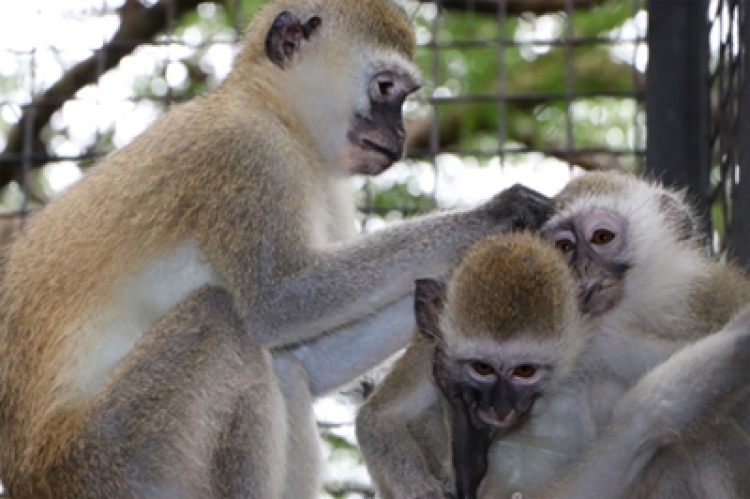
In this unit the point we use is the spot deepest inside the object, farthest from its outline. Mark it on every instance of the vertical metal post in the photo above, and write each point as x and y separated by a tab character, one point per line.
740	242
677	99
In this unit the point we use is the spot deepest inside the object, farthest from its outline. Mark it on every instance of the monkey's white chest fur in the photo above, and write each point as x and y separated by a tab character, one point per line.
536	453
143	299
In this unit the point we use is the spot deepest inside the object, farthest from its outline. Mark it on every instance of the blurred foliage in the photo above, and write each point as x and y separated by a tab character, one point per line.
519	69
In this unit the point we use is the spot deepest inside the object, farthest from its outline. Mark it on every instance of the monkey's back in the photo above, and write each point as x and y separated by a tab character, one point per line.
141	204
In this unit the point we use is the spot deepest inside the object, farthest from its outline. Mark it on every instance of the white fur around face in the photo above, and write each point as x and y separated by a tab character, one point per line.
662	268
327	105
142	300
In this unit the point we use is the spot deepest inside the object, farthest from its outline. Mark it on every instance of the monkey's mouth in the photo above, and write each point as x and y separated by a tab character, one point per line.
374	158
490	418
393	155
598	296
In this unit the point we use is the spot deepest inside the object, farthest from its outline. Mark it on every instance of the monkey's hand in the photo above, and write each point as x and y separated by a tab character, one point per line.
436	495
470	437
519	207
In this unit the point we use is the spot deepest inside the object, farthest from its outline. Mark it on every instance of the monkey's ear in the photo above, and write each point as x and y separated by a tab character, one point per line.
285	36
678	217
429	300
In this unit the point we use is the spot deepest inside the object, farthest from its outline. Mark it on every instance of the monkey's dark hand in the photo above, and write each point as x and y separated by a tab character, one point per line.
436	495
518	207
470	437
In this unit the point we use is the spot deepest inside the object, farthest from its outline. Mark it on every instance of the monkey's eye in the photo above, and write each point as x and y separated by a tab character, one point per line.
602	237
565	245
524	371
482	369
385	87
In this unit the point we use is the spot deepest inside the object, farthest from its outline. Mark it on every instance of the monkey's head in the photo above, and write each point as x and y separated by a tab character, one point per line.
612	227
500	326
342	71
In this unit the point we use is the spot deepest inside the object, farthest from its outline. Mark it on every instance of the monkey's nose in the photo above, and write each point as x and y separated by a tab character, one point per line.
588	289
490	417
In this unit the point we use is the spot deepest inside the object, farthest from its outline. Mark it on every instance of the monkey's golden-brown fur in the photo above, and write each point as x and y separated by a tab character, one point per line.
194	177
243	189
481	303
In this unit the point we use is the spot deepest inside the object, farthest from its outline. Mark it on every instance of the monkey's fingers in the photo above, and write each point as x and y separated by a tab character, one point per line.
519	207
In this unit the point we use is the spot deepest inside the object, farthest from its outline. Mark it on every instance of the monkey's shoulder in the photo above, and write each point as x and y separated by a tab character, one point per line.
717	296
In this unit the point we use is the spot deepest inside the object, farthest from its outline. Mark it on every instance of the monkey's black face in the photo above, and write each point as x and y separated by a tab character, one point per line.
499	396
595	245
484	398
495	395
377	136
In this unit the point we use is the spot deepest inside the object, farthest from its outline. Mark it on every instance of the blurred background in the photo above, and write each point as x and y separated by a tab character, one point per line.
529	91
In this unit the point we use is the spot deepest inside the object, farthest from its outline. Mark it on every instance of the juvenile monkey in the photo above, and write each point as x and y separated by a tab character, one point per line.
140	306
492	339
648	289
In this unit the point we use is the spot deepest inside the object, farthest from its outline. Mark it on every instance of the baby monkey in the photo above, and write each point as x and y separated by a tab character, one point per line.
503	325
505	321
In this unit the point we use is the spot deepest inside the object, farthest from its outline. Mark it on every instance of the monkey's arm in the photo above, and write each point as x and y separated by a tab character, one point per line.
349	352
352	281
703	380
396	459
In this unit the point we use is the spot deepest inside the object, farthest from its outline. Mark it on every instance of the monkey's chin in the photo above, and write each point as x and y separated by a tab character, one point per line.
371	169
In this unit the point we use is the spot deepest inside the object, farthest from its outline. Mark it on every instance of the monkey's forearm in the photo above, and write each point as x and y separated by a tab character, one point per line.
397	457
395	460
345	284
349	352
701	381
356	280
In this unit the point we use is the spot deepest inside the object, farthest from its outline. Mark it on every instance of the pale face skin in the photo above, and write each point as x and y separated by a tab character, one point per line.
595	245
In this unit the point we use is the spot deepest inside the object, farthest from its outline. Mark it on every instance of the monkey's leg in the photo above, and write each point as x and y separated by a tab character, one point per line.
303	458
194	411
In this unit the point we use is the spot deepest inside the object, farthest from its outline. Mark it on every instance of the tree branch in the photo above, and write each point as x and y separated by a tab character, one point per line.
514	7
138	25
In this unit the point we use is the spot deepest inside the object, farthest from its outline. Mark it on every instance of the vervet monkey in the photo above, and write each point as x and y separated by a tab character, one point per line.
647	288
140	306
492	339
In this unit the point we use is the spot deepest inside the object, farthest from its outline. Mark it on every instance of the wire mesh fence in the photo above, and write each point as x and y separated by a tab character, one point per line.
729	122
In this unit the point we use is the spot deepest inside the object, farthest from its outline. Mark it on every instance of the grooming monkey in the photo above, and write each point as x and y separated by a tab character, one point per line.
647	288
168	320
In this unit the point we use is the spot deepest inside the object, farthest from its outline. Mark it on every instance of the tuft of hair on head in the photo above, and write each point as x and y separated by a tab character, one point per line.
593	184
508	286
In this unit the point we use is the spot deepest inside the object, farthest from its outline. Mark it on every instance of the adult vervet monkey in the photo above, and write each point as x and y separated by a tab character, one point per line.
140	306
648	289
